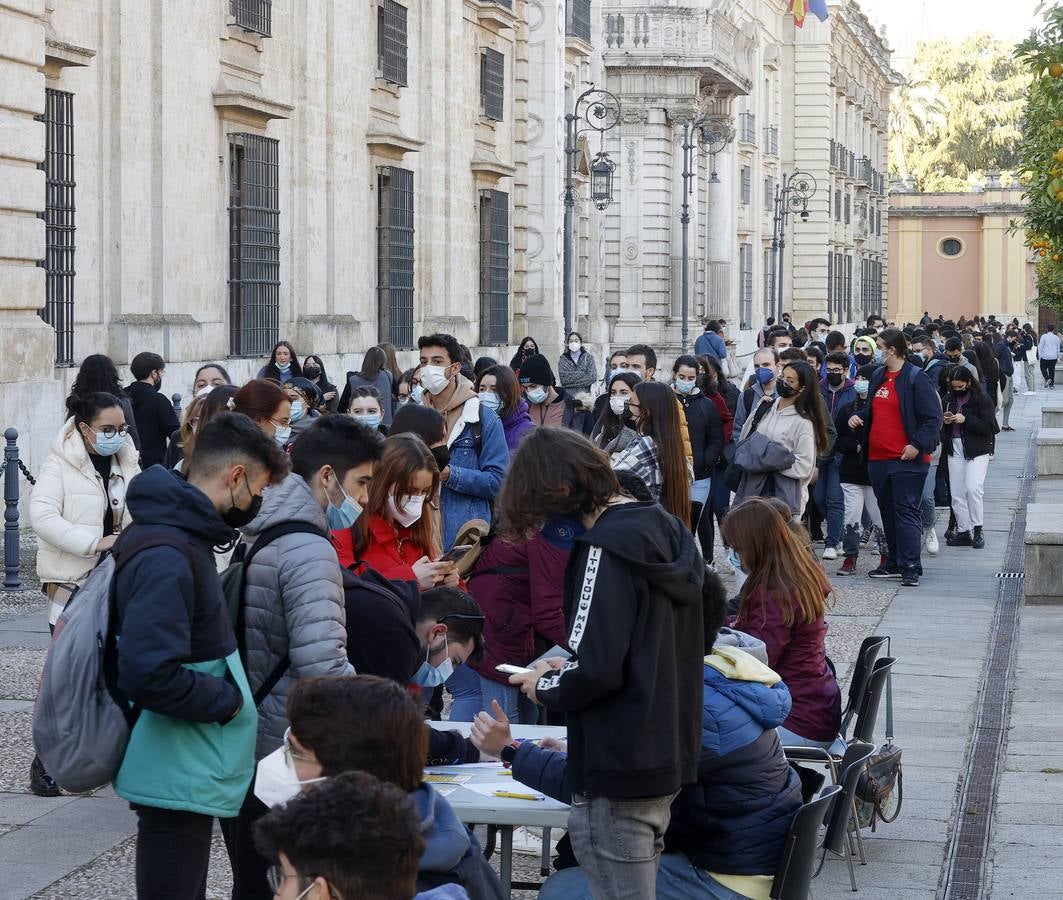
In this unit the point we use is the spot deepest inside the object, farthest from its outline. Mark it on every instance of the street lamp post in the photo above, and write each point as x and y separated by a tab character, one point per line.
713	134
791	195
594	110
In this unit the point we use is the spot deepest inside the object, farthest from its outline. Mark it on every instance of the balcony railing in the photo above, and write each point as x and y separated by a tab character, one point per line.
578	19
748	128
866	172
771	140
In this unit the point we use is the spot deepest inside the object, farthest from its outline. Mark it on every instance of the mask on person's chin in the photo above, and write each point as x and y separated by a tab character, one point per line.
275	782
432	676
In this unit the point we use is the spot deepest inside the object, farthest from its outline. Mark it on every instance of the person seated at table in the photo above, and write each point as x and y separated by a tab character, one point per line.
351	838
727	831
361	722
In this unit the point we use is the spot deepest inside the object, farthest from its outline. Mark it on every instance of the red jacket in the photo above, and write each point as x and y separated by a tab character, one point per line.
518	606
798	654
391	552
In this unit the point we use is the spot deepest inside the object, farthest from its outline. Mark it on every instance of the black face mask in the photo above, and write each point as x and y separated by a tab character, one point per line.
158	383
862	359
442	455
235	517
312	372
957	393
784	389
835	378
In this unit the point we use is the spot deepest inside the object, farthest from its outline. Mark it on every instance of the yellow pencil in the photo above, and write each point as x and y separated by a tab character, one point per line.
513	796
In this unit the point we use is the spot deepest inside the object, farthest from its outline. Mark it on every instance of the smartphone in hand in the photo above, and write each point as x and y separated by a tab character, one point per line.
507	669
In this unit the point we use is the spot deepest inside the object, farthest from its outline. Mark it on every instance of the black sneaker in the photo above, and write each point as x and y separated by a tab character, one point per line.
960	539
41	783
886	571
977	539
910	579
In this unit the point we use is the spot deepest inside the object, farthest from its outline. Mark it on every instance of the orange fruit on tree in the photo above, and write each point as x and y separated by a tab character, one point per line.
1059	154
1055	69
1055	257
1057	123
1042	253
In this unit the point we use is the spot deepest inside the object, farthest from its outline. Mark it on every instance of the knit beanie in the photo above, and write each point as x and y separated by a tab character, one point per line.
536	370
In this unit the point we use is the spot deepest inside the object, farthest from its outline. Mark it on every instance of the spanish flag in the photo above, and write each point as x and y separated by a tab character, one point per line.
799	8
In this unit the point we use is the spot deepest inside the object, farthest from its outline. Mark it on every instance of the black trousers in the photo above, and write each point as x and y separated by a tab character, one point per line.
248	865
173	853
1048	370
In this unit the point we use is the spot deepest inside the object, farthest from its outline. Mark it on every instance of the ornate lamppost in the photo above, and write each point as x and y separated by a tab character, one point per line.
594	110
791	195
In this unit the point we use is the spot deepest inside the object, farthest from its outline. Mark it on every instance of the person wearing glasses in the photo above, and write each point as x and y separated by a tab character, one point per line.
268	406
78	508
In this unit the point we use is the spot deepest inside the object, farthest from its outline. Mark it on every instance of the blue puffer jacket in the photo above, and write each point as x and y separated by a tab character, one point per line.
734	820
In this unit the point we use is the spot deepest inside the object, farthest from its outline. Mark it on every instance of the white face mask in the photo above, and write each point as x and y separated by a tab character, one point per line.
575	346
434	379
409	512
618	404
275	782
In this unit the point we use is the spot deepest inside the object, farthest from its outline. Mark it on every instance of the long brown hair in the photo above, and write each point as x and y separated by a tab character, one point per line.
660	421
505	386
203	409
392	357
775	561
404	456
809	404
374	362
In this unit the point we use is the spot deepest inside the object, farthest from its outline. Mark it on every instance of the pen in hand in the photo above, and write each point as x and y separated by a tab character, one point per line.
513	796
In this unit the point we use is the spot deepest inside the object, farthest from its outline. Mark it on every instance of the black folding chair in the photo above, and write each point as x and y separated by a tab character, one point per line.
794	872
838	839
865	660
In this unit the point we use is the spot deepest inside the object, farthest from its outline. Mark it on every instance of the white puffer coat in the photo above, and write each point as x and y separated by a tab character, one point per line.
293	596
68	504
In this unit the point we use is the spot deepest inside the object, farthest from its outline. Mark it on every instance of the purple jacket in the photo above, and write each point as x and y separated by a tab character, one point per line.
516	426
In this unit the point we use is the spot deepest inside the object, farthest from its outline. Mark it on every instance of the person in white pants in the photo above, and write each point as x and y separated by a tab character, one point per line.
967	439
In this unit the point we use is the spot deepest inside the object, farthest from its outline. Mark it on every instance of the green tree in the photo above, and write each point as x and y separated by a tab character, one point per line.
960	114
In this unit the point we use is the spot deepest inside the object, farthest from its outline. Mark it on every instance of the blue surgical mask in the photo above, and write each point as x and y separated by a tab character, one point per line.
491	400
371	420
298	410
537	396
879	356
432	676
107	445
285	367
734	559
684	387
346	514
416	394
861	387
282	435
765	374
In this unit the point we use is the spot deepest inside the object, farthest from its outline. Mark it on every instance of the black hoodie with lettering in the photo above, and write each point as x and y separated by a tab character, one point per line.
633	690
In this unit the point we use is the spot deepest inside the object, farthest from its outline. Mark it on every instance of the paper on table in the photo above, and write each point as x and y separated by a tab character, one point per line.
444	778
444	790
488	788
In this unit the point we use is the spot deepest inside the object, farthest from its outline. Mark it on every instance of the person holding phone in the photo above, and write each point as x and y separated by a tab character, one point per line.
393	536
967	440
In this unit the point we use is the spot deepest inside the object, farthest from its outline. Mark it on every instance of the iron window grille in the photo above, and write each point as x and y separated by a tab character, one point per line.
492	84
494	267
847	294
253	15
769	192
395	257
839	281
837	206
58	217
745	266
392	42
768	299
830	286
254	244
508	4
748	127
578	19
771	140
848	210
747	185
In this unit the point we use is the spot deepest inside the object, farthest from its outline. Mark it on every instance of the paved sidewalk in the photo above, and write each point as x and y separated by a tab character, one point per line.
82	846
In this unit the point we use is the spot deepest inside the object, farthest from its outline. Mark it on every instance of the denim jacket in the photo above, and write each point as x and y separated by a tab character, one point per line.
475	478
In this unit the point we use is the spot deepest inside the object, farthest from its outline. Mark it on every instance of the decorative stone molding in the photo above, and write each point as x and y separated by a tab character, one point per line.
58	55
492	14
249	107
490	169
386	141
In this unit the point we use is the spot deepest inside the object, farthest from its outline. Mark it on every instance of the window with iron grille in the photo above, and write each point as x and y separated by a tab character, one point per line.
769	300
878	222
747	185
254	244
745	267
830	287
769	192
748	128
59	221
492	84
494	267
839	280
394	273
848	209
578	19
848	290
253	15
837	206
391	42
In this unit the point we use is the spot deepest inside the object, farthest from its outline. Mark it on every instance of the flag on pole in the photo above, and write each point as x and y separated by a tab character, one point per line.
800	8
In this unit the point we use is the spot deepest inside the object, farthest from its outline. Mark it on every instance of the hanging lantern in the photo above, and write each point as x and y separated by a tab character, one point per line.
602	180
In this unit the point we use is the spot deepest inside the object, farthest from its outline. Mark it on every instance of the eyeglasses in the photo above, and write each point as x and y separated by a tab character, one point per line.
110	431
468	617
282	423
291	754
275	878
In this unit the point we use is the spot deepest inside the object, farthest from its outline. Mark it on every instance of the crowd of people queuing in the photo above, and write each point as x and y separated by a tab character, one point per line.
403	533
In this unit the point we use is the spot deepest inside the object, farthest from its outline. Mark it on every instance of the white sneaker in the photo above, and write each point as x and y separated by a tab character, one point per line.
1031	393
830	552
932	546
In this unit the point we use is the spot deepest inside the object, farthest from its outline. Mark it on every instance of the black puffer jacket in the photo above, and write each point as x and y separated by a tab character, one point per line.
706	432
978	429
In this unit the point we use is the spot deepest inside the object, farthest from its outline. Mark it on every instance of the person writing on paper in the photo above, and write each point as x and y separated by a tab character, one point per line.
633	613
363	723
728	829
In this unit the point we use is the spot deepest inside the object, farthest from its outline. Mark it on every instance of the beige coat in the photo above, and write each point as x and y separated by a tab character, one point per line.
787	427
68	504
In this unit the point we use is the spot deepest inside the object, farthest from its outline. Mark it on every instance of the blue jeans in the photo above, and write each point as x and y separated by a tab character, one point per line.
898	487
927	502
464	686
677	879
518	708
827	495
699	493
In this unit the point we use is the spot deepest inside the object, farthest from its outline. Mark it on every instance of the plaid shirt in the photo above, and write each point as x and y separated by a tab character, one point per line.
641	457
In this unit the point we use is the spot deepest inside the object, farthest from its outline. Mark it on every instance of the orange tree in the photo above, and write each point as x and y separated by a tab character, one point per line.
1041	153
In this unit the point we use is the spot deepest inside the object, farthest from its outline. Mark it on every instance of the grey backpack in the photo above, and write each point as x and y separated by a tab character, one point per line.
81	722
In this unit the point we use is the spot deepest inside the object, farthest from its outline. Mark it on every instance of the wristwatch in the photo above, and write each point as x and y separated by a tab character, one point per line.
509	753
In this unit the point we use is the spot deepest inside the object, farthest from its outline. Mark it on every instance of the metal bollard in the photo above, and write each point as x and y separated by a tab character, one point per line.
176	401
11	549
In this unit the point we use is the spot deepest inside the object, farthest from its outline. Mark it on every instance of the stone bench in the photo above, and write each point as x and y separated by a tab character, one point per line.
1050	451
1044	553
1052	415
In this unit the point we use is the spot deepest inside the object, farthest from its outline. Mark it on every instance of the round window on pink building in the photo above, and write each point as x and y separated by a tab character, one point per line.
951	247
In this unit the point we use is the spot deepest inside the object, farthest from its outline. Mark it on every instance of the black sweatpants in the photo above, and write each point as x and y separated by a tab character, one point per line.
173	853
1048	370
248	865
